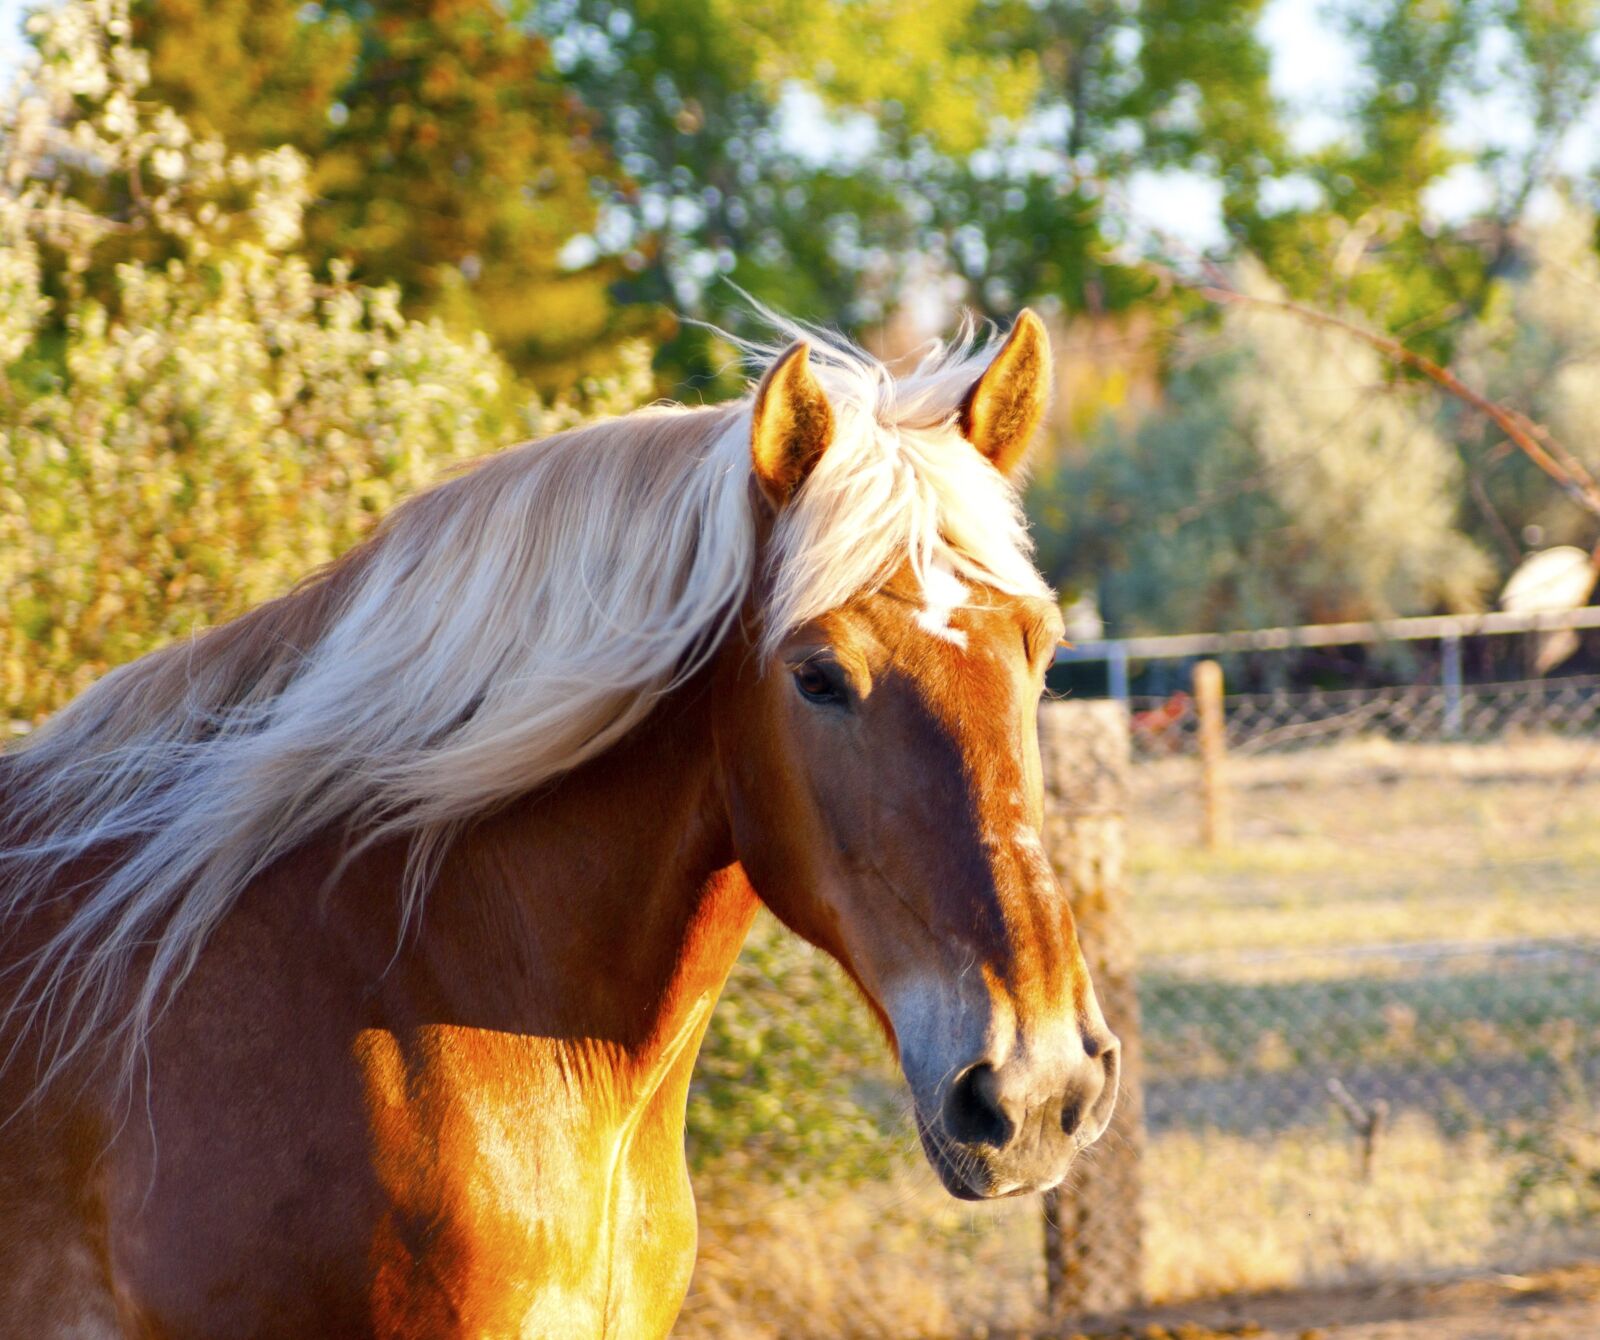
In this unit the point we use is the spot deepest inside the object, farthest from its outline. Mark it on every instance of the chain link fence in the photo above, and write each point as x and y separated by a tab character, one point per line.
1372	1021
1264	723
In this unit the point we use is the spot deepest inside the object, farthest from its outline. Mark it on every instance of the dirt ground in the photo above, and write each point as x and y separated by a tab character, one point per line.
1558	1304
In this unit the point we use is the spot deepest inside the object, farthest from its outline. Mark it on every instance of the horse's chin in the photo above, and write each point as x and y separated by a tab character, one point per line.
943	1164
962	1175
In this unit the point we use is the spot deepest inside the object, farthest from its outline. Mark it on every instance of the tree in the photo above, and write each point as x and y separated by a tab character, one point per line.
255	74
1368	236
1286	480
445	156
694	99
975	140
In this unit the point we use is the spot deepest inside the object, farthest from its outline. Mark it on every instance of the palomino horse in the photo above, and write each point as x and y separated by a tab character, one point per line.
356	955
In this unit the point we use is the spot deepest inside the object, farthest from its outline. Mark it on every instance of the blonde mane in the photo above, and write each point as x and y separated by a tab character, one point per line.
494	633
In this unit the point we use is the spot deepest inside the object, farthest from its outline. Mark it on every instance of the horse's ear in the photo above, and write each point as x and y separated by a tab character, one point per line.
792	425
1005	405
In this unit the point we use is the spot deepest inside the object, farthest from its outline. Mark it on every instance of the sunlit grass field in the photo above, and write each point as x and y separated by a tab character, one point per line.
1386	913
1372	843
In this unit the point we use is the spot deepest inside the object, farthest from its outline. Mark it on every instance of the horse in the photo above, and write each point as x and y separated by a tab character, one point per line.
356	953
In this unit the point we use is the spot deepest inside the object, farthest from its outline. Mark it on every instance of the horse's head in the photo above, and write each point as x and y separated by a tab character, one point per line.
884	780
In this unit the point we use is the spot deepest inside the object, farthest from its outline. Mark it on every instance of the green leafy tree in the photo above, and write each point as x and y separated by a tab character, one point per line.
1366	237
255	74
720	186
445	155
976	141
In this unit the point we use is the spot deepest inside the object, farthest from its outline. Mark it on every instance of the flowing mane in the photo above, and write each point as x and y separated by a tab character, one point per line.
492	634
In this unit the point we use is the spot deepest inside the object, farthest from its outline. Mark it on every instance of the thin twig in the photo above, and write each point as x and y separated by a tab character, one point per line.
1367	1122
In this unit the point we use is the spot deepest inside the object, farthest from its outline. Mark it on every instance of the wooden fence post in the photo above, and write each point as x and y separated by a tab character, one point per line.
1216	829
1092	1225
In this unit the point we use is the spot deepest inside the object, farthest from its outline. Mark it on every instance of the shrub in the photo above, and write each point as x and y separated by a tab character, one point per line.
794	1077
218	423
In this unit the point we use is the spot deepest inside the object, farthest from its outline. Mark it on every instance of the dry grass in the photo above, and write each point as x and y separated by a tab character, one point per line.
898	1260
1223	1214
1228	1213
1372	843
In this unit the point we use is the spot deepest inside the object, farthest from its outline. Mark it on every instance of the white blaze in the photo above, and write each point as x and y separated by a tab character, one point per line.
942	595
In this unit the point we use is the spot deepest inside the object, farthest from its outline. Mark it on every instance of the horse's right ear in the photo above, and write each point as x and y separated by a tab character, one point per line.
1006	404
791	426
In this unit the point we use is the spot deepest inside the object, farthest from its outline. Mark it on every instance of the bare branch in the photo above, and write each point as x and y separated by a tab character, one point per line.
1367	1122
1532	439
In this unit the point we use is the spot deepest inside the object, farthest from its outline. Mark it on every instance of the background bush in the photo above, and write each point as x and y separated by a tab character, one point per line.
219	422
795	1077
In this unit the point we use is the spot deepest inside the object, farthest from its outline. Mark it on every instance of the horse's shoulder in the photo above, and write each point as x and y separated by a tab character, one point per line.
55	1272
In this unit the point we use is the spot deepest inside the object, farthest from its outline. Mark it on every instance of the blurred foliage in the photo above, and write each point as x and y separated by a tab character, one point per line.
569	171
444	154
255	74
220	422
1554	1160
1536	345
1280	483
1286	475
794	1075
838	159
1555	1169
1367	234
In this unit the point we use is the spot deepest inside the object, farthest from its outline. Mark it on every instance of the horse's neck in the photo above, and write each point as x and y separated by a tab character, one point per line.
600	917
489	1115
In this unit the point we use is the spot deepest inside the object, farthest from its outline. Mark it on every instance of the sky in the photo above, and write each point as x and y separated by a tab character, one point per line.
10	32
1312	71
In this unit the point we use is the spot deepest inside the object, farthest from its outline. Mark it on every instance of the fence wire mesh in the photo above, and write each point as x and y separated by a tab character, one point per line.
1262	723
1372	1022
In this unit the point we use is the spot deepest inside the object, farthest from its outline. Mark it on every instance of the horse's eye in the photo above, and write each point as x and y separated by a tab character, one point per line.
816	685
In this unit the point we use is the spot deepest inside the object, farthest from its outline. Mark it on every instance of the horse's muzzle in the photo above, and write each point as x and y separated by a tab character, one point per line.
1012	1127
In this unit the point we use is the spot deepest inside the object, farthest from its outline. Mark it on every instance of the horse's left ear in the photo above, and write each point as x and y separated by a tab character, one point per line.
791	425
1005	405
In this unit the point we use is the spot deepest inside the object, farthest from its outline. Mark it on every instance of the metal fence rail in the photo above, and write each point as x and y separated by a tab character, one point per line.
1448	630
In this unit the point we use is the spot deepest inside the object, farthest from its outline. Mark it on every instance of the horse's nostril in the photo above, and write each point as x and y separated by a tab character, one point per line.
972	1112
1089	1099
1095	1043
